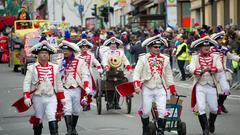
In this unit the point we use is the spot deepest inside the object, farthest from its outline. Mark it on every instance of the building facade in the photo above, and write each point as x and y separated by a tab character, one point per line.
217	12
154	13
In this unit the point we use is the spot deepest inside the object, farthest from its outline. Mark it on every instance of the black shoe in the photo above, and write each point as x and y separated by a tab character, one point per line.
211	120
53	127
37	128
224	109
204	124
183	79
85	108
74	124
117	106
68	121
110	106
88	107
161	126
145	127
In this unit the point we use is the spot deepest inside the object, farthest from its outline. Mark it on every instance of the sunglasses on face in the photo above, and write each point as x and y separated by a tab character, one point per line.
156	47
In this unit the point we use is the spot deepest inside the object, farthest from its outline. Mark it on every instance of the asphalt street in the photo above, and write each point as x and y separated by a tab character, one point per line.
113	122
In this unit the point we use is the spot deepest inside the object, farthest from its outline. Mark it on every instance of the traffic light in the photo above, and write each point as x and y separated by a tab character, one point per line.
94	10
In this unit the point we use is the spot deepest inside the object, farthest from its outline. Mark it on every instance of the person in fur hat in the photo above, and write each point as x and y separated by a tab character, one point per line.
204	66
43	81
91	61
74	75
154	78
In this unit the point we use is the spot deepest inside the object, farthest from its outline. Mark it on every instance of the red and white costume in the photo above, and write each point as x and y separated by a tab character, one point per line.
91	61
154	75
45	84
205	83
74	75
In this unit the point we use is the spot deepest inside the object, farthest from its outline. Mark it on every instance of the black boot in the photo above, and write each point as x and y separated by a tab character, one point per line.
221	100
204	123
145	122
211	120
224	109
68	121
161	126
53	127
74	123
37	128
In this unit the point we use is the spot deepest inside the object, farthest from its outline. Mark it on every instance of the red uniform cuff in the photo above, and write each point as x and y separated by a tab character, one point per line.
137	83
26	94
214	70
60	95
107	67
198	71
129	67
172	88
85	84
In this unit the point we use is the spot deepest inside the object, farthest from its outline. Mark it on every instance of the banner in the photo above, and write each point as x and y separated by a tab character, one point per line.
172	13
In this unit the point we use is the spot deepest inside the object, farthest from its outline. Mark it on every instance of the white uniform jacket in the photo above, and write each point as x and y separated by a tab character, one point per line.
45	80
90	60
206	78
75	74
144	71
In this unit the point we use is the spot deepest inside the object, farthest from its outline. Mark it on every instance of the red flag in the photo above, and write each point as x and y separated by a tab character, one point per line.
125	89
20	106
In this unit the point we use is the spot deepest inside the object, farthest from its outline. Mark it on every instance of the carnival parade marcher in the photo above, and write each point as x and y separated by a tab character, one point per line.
74	74
91	61
205	66
112	53
43	80
182	55
153	76
223	76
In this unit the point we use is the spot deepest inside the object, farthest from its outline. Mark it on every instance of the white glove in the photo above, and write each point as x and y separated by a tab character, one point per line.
88	91
27	102
100	71
63	101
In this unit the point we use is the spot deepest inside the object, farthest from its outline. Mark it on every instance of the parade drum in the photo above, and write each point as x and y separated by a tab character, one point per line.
125	89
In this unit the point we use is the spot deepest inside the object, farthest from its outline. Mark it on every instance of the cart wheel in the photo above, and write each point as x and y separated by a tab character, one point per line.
182	128
129	103
99	98
152	128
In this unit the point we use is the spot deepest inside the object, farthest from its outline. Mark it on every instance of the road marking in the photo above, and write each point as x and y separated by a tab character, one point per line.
1	128
234	97
129	116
